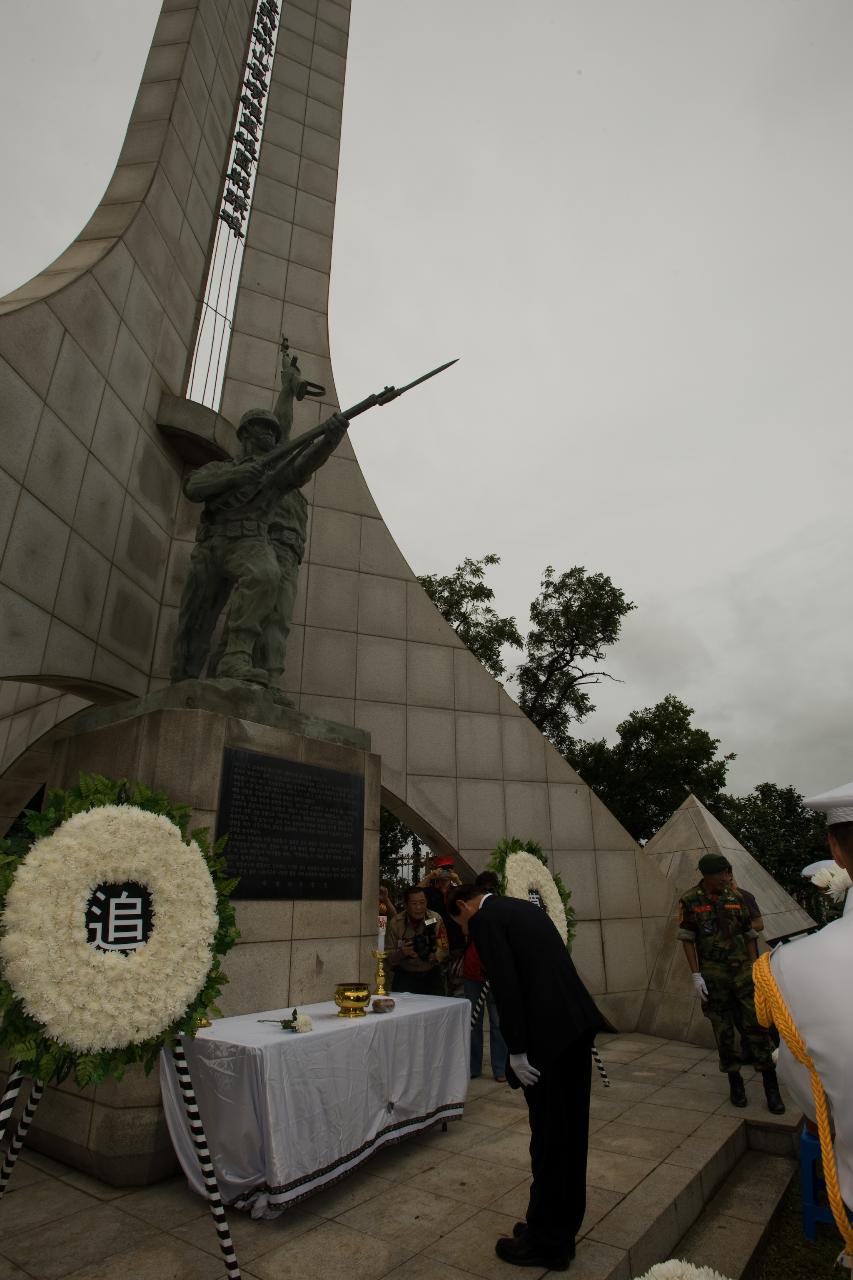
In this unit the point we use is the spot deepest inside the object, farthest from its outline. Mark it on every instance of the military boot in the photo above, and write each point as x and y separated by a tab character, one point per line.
236	661
771	1092
737	1090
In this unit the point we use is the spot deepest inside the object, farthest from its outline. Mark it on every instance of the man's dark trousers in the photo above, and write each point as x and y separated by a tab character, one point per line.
558	1109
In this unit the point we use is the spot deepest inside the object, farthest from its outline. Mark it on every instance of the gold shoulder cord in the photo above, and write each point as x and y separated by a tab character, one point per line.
771	1008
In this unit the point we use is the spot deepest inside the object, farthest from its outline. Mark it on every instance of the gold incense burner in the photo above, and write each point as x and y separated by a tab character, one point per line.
352	999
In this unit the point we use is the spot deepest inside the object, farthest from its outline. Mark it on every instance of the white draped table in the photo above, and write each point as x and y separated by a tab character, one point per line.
287	1113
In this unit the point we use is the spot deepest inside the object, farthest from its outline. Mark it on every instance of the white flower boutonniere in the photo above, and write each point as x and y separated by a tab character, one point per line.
834	880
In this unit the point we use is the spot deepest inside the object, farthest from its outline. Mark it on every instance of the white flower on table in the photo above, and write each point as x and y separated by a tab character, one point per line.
296	1022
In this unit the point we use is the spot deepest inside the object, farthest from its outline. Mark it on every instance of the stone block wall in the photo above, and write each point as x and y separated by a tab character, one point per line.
88	487
93	564
290	953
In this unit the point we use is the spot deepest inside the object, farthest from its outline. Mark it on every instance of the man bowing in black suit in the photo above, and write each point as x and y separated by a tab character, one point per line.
549	1022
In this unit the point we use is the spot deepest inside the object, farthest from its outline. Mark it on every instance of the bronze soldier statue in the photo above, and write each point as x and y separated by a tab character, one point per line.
250	541
251	536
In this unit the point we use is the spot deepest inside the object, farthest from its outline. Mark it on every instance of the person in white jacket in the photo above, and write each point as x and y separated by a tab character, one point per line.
813	976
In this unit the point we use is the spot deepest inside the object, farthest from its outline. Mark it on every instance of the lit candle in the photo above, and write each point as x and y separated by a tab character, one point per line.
380	944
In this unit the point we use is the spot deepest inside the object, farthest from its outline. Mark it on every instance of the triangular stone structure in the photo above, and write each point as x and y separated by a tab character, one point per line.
671	1008
95	535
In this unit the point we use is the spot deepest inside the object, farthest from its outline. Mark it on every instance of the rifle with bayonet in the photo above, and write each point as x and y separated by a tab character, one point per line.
271	461
293	447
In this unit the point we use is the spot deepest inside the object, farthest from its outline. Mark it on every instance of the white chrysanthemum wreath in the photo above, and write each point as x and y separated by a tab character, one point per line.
92	999
74	1002
524	873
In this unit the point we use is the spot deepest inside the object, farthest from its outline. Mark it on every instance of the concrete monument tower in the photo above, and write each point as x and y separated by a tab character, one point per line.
99	434
104	414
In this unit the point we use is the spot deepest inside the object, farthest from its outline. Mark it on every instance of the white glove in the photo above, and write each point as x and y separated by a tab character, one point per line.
699	984
526	1074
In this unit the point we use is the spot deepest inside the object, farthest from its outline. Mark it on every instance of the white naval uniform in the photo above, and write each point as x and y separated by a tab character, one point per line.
813	975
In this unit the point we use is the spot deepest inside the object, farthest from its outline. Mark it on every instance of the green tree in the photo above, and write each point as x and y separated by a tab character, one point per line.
400	852
659	758
773	823
575	617
465	600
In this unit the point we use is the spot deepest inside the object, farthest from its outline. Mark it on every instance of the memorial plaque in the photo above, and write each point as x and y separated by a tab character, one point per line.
294	830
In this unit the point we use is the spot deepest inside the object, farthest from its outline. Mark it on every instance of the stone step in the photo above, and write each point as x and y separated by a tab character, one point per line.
730	1228
647	1223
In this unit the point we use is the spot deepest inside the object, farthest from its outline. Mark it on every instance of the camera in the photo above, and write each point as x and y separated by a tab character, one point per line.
424	944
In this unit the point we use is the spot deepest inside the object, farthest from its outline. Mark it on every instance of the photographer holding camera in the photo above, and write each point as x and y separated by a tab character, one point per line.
417	941
436	884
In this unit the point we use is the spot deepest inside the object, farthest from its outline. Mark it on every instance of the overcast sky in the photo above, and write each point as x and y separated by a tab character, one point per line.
632	220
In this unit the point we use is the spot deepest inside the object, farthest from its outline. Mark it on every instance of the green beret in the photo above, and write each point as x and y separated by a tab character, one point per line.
711	863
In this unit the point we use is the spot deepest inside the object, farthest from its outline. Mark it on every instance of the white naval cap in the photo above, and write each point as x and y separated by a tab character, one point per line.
825	864
836	804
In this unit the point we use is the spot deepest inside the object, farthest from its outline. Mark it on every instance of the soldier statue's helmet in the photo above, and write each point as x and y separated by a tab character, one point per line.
259	415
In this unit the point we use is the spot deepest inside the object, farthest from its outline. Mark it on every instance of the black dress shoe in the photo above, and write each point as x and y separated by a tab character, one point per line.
521	1229
520	1251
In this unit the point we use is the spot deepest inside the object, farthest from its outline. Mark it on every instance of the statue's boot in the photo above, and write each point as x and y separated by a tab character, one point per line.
737	1089
275	674
771	1092
236	662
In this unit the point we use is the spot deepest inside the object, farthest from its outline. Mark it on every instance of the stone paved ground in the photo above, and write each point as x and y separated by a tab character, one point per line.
663	1139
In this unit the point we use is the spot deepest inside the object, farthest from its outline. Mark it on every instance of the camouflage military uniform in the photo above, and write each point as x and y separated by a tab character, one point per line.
719	925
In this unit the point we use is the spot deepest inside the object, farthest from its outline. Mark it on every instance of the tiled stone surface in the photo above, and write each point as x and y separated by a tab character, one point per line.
334	1251
724	1243
431	1208
252	1237
473	1245
63	1245
754	1189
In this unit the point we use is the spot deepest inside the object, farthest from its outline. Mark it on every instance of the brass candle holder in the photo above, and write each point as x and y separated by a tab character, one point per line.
380	957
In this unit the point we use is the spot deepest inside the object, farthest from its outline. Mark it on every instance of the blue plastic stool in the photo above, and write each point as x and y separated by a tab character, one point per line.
812	1211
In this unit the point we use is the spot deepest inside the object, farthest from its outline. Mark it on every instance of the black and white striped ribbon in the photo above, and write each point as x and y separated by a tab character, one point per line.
10	1097
214	1199
597	1060
20	1134
477	1009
